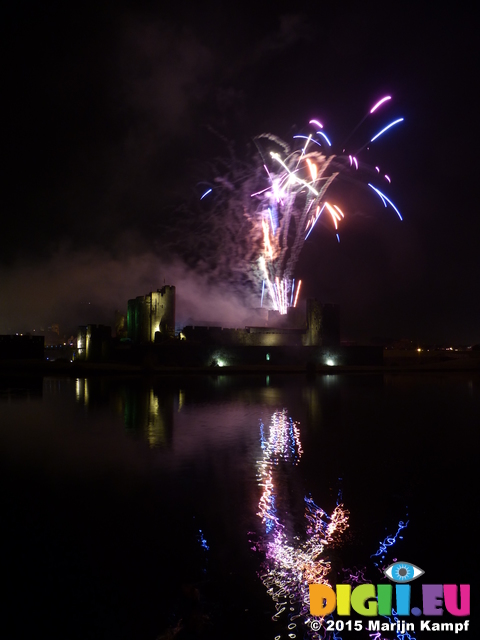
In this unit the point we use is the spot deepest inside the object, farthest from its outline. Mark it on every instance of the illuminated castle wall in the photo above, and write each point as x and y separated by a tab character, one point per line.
320	327
152	313
93	342
151	318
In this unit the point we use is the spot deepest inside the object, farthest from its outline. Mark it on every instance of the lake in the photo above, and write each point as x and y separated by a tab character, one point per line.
201	506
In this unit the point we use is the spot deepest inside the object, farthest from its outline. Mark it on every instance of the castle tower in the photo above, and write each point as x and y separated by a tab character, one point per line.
323	324
151	314
162	312
313	336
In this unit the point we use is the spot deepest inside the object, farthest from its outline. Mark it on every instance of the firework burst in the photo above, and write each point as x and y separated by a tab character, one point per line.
288	195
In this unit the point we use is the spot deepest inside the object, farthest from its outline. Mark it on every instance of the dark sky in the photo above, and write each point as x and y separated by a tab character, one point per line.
111	114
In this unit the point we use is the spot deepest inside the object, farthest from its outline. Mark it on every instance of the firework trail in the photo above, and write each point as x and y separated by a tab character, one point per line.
288	195
289	209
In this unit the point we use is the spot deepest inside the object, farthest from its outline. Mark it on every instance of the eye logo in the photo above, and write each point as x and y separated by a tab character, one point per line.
403	572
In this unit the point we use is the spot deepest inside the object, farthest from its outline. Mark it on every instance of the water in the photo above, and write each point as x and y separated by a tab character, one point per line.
129	505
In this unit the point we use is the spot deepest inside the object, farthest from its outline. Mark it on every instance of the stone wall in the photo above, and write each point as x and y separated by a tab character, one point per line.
152	314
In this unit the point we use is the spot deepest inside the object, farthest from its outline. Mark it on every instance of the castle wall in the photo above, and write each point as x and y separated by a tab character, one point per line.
313	334
248	337
162	312
320	327
151	314
93	342
330	330
323	324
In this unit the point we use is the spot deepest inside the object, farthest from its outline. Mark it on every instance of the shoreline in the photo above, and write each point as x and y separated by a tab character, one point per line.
83	369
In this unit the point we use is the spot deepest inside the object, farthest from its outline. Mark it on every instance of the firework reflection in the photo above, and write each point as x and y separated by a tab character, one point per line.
292	562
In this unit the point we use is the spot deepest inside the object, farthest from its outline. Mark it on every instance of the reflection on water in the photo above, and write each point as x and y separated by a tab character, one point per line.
292	561
147	411
81	390
181	399
20	387
168	483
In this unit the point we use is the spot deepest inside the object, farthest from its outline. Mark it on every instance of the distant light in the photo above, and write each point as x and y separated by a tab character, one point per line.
220	363
267	357
330	362
316	122
418	349
206	194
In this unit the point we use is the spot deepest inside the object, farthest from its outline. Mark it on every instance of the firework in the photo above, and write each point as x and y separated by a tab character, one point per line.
288	198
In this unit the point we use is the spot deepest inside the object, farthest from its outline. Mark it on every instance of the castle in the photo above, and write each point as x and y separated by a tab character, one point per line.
304	336
151	318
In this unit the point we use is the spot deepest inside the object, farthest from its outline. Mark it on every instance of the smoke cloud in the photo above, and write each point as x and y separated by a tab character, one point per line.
82	287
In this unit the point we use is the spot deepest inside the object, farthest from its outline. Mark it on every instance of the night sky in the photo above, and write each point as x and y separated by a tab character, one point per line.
116	111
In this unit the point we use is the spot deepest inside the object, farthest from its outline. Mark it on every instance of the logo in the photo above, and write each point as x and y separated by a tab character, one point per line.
377	600
403	572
